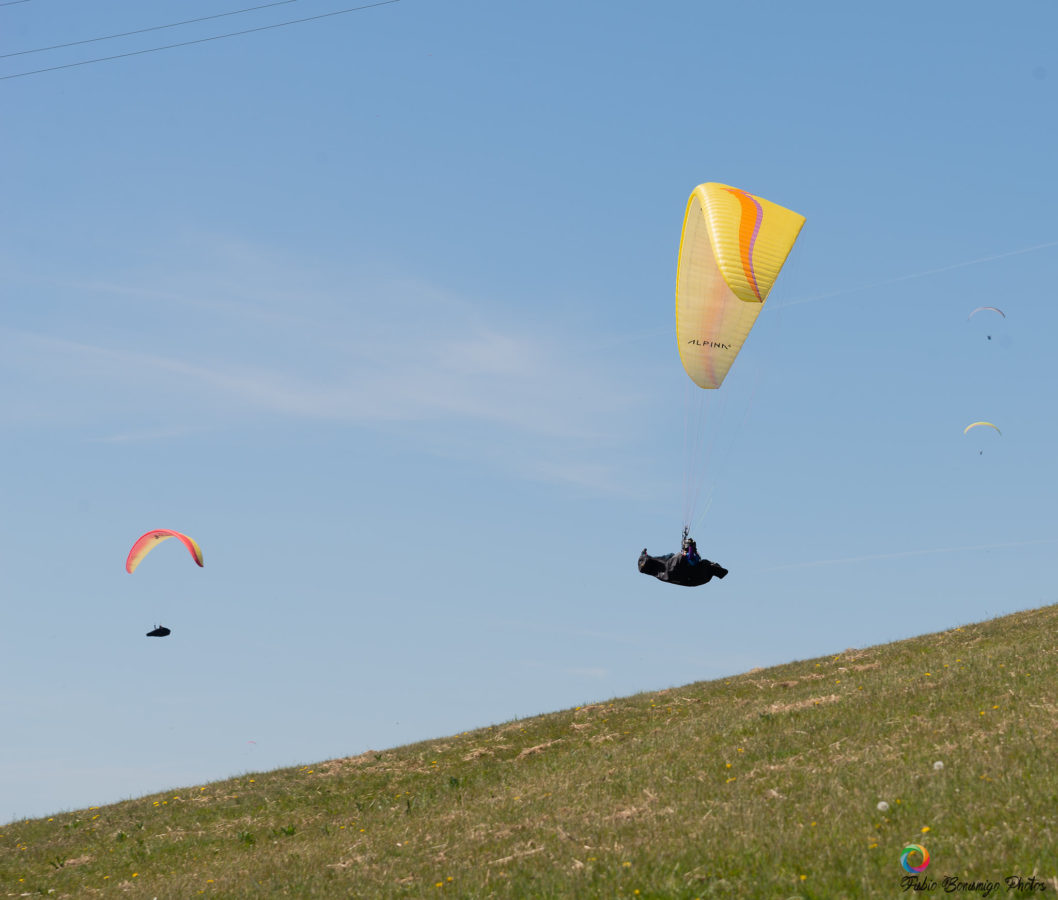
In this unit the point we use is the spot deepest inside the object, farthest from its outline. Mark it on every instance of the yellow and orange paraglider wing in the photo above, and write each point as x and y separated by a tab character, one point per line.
147	542
977	424
733	246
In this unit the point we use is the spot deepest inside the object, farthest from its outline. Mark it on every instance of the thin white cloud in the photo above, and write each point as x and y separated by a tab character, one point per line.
589	474
913	276
202	351
157	434
517	382
588	672
907	553
595	672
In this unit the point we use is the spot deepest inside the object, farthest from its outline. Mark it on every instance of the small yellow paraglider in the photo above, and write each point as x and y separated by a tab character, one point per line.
973	425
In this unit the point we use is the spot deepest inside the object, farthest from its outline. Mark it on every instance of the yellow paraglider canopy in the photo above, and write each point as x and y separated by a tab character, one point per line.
733	246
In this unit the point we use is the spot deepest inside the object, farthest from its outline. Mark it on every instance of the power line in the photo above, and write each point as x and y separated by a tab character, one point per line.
13	2
216	37
141	30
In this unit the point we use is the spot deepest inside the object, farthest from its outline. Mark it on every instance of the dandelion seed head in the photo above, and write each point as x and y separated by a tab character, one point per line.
883	806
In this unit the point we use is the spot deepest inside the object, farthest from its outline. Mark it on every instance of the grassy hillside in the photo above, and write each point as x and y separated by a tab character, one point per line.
762	785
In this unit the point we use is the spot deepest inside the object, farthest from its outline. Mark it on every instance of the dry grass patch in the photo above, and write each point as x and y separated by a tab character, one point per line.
539	748
803	704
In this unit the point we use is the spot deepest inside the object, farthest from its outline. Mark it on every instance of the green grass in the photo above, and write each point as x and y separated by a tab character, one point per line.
762	785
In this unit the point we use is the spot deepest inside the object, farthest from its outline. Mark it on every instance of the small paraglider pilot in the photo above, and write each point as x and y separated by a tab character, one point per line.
160	631
686	567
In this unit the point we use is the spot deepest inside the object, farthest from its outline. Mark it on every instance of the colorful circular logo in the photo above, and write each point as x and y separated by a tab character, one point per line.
908	854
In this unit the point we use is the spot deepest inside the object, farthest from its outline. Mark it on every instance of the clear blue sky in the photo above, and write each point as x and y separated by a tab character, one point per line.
379	308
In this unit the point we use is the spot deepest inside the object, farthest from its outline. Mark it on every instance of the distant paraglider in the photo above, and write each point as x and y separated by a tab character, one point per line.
147	542
973	425
994	309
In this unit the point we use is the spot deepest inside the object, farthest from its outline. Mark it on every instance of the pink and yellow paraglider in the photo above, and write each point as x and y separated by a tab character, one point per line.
966	430
147	542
